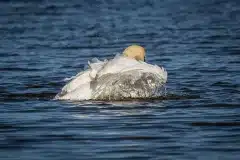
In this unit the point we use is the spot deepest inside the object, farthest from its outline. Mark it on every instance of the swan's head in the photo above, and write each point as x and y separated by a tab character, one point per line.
135	52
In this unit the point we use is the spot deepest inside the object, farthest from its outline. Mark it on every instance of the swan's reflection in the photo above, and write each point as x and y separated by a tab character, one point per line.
110	110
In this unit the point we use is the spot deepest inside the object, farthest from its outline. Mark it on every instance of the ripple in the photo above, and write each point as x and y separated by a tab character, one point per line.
42	42
18	69
226	124
26	96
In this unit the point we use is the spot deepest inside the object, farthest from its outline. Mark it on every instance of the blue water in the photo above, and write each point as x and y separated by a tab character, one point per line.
43	42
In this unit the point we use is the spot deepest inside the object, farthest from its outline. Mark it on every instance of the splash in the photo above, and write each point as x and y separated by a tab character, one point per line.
128	85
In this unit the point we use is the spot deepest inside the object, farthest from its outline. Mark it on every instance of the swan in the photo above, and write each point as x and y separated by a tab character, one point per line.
123	77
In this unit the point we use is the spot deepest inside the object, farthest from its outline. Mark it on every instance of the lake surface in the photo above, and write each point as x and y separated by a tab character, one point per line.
44	42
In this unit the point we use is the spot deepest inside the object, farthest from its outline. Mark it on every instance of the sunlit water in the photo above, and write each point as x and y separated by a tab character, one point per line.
44	42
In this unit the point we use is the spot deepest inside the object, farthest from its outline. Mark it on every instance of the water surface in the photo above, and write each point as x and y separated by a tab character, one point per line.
43	42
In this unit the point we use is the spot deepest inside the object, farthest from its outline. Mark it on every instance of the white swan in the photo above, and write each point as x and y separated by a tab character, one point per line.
125	76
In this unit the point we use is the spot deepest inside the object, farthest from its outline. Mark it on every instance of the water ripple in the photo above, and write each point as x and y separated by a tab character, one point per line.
44	42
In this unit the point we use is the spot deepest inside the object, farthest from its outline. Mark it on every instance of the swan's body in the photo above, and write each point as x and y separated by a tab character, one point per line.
120	78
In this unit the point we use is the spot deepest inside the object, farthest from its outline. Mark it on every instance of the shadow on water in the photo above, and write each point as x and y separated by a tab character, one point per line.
26	96
50	95
223	124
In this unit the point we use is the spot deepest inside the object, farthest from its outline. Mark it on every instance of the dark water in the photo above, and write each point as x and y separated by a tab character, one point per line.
43	42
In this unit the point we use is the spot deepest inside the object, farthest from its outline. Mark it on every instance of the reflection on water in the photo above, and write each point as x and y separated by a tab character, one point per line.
117	108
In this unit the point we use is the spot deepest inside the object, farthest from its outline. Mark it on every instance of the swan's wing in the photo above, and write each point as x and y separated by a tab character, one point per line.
82	92
117	64
82	78
160	72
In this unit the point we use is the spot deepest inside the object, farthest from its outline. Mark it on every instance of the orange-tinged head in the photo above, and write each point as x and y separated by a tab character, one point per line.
136	52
